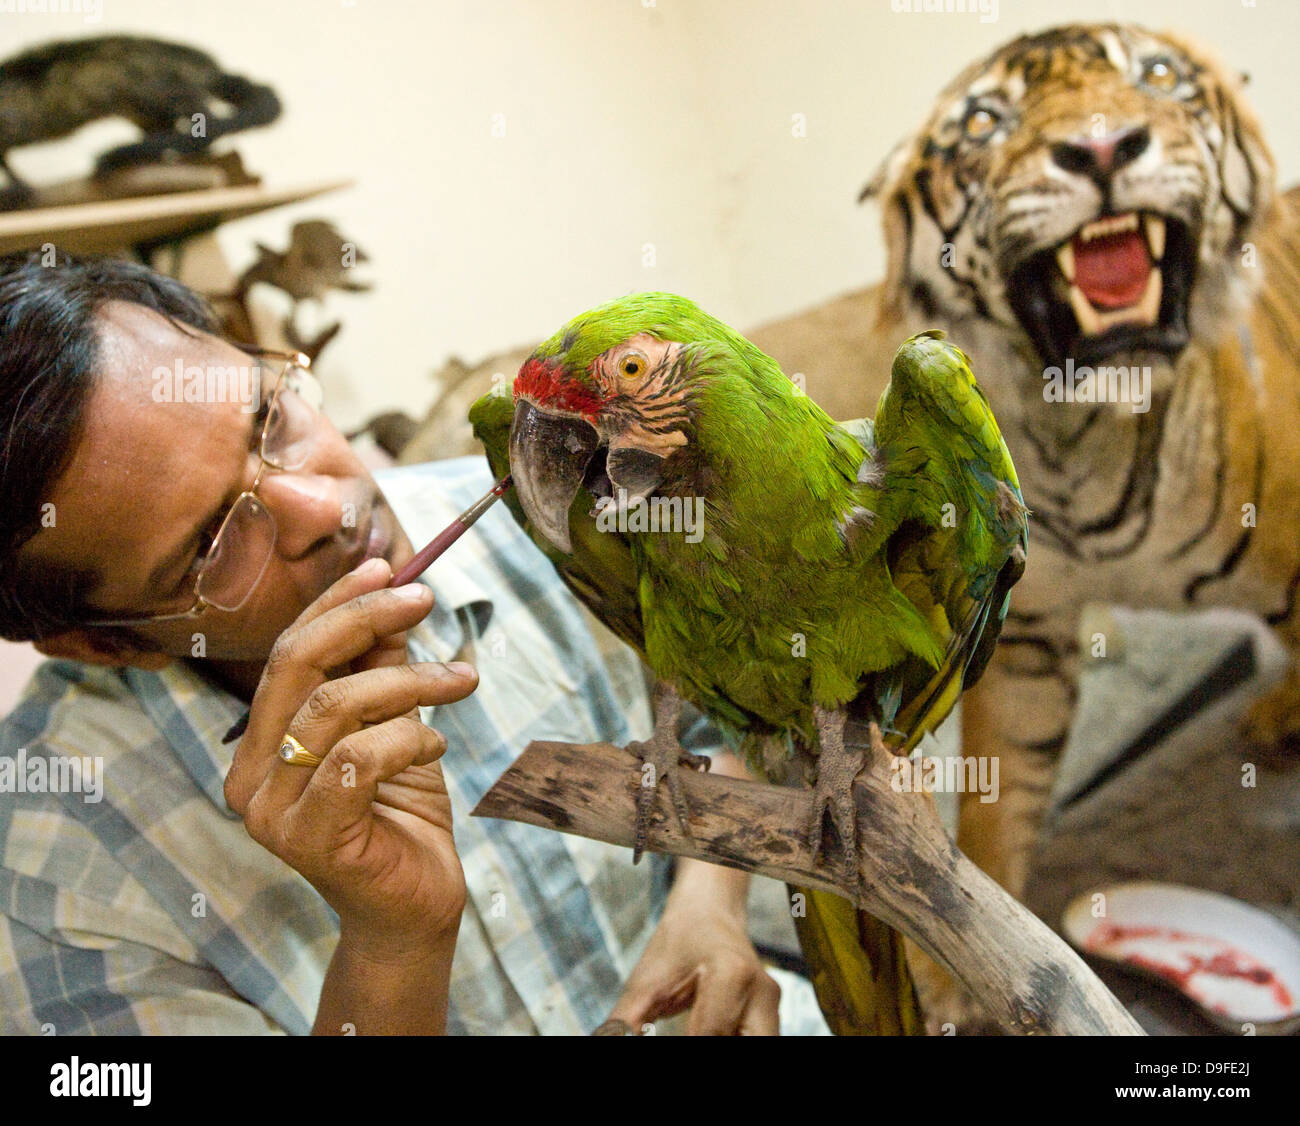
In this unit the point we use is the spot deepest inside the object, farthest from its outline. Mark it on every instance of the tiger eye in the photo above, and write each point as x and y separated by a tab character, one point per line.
980	125
1161	76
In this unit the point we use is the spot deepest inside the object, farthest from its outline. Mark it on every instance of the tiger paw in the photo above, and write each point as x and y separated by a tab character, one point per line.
1271	726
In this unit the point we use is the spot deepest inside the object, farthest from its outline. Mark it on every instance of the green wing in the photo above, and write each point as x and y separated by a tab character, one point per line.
962	527
601	571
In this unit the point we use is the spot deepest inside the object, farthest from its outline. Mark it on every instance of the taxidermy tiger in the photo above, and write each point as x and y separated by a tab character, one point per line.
52	90
1095	196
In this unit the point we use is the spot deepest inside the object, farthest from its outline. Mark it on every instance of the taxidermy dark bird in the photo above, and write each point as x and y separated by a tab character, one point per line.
317	260
167	89
843	584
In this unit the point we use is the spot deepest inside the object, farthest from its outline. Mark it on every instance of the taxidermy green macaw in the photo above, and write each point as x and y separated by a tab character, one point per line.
807	585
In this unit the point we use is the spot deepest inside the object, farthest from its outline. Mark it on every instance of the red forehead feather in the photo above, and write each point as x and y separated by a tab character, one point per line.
546	385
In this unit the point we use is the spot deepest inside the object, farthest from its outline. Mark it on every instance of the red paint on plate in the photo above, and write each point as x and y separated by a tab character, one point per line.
1200	965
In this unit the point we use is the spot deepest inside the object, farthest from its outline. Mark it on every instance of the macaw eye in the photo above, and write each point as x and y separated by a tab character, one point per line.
1160	75
633	365
980	124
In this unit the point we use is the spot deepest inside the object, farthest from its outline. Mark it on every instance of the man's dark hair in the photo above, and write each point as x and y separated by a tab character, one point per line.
49	350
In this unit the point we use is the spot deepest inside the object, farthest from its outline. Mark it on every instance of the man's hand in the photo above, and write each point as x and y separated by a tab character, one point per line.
370	827
700	956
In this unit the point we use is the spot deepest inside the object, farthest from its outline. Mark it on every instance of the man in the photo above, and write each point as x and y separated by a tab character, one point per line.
193	540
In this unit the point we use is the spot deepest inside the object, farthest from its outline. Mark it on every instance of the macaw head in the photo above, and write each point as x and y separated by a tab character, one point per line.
608	400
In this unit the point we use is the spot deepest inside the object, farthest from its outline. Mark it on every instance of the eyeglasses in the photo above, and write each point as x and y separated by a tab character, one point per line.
240	551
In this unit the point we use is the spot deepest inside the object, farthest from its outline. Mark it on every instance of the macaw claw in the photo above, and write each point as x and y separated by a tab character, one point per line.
660	757
837	767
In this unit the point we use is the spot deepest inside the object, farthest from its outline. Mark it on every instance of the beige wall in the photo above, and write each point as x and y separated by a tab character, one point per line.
627	122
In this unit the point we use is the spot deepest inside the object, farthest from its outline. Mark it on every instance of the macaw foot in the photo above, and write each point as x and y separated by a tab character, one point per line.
660	757
837	767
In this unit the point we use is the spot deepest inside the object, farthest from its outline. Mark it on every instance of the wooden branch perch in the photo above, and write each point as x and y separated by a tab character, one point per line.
912	876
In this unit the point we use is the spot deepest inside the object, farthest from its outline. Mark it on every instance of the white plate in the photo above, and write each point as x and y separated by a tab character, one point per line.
1241	965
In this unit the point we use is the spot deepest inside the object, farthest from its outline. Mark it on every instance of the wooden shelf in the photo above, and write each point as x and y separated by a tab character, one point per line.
110	225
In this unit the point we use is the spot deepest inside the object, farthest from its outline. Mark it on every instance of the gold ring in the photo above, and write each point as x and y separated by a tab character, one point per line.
296	754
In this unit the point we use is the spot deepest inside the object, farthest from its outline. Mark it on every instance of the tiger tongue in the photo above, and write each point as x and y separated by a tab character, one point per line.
1112	270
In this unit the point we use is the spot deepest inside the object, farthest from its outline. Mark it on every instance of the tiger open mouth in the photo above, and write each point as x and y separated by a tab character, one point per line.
1120	283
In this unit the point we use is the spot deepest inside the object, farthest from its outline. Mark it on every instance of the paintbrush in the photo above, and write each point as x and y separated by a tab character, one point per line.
450	534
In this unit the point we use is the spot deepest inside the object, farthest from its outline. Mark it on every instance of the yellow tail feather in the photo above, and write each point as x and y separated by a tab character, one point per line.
858	969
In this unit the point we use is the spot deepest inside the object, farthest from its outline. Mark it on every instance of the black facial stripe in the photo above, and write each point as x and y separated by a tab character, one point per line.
927	201
1008	223
948	155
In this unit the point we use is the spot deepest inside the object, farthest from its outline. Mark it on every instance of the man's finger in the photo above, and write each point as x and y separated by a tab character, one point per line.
373	574
720	998
303	656
762	1016
339	794
633	1009
339	708
645	998
390	651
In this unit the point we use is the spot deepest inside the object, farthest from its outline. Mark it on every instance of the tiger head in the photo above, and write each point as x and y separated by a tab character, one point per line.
1085	192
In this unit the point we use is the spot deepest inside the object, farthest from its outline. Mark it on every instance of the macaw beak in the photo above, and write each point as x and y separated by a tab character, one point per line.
549	455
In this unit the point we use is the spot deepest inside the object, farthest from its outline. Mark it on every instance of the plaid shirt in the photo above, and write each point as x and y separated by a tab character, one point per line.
153	911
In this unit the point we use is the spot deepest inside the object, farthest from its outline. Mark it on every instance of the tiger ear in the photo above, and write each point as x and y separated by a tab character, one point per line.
1248	169
1249	173
891	168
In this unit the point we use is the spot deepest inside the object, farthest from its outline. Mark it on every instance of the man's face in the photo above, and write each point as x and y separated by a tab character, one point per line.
148	478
